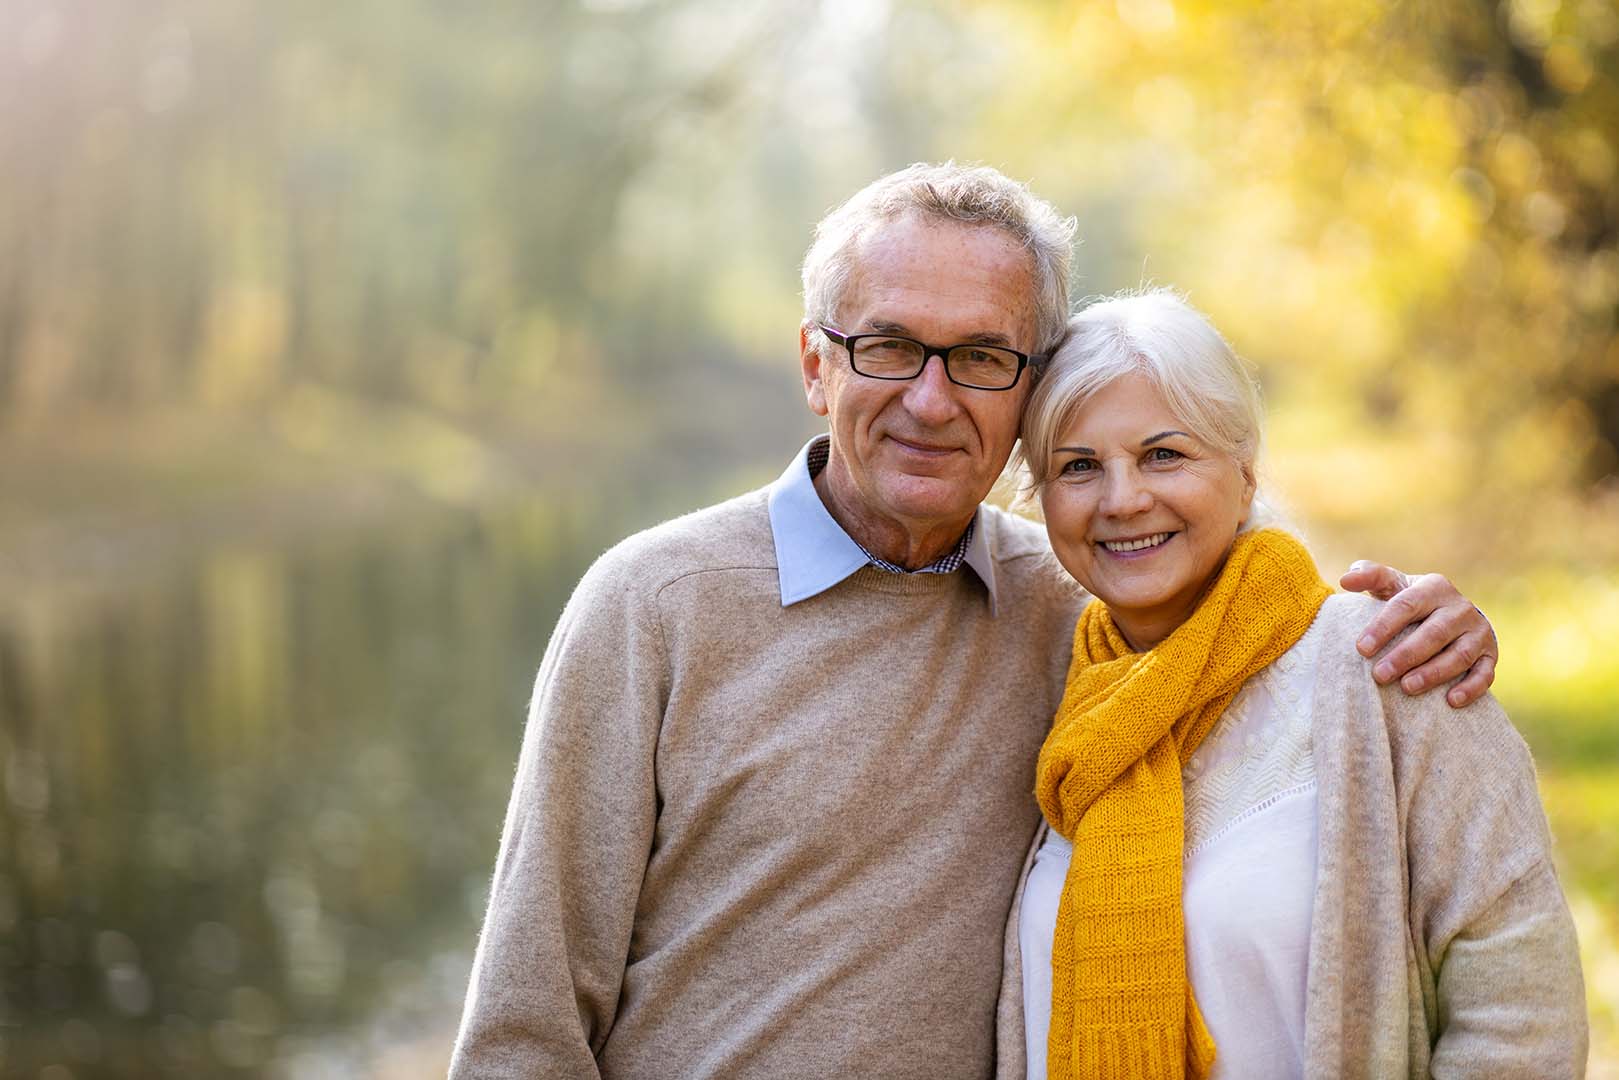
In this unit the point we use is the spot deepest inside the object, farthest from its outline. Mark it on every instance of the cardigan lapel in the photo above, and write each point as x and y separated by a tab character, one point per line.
1362	983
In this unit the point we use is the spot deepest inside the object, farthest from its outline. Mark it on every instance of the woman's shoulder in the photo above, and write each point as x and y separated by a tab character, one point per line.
1447	762
1338	627
1411	720
1462	781
1344	615
1329	644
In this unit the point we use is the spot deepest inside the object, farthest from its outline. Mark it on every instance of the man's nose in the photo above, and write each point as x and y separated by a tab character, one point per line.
1123	493
931	396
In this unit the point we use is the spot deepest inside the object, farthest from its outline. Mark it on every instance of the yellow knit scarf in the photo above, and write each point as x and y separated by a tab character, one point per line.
1109	779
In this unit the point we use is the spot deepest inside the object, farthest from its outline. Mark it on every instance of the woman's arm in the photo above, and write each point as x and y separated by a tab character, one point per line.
1503	988
1510	1000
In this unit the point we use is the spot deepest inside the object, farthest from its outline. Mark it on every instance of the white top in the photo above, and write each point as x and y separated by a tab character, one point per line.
1249	885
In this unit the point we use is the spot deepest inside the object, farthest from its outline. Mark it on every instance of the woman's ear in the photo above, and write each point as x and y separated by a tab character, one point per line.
1250	485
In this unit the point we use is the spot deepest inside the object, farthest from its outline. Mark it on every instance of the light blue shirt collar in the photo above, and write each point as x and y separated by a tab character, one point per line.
813	553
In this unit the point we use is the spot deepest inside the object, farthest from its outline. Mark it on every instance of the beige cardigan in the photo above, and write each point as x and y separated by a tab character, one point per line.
1440	943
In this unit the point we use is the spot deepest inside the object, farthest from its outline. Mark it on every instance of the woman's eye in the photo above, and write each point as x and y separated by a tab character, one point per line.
1078	465
1164	453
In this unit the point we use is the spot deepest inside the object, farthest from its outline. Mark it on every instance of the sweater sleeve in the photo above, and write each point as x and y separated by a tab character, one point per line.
550	961
1510	998
1492	928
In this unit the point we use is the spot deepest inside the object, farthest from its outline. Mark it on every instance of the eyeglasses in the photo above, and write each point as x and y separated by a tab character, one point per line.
888	356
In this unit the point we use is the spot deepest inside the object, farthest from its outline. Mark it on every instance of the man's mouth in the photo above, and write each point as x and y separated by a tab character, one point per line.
1121	547
923	448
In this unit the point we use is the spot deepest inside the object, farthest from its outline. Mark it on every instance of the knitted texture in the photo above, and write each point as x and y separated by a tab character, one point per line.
1109	779
711	869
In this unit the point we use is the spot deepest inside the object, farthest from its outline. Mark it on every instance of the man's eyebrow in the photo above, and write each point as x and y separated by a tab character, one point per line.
988	337
1162	435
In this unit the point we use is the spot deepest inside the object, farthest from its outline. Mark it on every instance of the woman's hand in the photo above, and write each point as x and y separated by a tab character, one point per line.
1452	636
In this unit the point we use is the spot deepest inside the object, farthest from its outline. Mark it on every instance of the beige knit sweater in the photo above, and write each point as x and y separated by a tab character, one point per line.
1440	943
754	841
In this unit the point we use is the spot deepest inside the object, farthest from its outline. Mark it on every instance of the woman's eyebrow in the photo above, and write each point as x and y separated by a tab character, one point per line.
1162	435
1072	450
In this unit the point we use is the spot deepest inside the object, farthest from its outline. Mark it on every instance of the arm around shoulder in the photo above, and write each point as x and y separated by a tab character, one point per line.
579	827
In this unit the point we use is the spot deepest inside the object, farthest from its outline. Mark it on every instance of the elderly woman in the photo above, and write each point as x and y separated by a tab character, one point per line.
1259	862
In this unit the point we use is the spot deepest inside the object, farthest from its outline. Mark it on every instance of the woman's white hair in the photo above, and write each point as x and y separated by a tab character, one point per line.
947	192
1154	333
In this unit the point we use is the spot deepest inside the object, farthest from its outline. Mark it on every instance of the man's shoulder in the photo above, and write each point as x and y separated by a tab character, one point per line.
1012	536
730	535
1032	583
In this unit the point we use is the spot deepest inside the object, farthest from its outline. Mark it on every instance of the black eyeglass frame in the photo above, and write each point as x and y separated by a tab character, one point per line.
1024	360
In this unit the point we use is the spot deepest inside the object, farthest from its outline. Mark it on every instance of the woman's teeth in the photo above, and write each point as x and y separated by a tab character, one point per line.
1136	545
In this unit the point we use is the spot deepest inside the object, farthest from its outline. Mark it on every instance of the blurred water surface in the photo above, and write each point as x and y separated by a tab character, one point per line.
251	808
263	267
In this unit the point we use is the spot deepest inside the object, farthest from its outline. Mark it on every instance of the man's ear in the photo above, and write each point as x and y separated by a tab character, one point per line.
809	358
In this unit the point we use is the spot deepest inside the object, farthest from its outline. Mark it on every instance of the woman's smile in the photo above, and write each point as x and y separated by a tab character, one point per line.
1136	548
1140	511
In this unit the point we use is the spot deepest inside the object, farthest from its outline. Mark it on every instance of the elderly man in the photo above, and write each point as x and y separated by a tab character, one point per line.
774	794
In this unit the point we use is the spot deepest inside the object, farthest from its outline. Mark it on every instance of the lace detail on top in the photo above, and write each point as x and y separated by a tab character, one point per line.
1258	750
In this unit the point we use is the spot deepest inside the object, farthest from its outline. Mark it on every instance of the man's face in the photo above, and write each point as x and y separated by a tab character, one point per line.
921	454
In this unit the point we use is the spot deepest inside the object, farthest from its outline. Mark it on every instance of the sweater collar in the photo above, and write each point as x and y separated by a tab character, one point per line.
813	553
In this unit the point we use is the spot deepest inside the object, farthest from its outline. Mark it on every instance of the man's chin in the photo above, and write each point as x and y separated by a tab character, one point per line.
933	498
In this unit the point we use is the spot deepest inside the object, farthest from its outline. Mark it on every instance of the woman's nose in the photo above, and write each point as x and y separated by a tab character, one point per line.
1123	493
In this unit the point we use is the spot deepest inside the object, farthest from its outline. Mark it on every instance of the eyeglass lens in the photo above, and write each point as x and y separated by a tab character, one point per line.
983	366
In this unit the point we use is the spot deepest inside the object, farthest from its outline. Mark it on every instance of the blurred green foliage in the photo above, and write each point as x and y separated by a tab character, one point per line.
526	231
275	272
559	217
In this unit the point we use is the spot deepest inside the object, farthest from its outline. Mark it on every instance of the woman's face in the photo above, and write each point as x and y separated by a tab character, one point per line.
1141	511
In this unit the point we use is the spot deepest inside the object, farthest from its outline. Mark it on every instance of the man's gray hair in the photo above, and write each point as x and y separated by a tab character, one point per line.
974	195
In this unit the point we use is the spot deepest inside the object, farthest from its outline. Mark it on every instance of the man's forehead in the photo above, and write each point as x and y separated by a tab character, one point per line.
966	265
